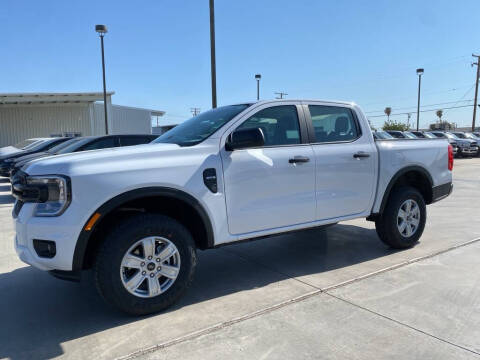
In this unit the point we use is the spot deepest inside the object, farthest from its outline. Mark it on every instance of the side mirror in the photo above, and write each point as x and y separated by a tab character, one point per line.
245	138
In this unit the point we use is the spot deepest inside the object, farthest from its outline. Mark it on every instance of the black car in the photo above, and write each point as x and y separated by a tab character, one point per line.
7	161
84	144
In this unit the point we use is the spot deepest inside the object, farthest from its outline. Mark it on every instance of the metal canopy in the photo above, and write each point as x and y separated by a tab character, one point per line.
51	98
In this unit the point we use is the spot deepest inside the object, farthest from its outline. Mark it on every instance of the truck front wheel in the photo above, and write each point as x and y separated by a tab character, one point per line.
402	223
145	264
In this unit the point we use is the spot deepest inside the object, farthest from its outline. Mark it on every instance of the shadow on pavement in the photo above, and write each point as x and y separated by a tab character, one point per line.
38	313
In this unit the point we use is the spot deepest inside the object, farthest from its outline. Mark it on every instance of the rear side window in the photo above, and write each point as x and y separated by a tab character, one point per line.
278	123
100	144
332	123
134	140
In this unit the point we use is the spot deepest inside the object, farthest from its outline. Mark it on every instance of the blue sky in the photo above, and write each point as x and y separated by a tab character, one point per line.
157	52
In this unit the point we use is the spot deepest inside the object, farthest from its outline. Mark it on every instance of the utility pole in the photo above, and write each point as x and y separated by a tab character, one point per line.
280	94
212	54
195	111
476	90
409	115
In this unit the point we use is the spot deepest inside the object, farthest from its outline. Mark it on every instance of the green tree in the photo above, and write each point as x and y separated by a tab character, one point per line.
394	125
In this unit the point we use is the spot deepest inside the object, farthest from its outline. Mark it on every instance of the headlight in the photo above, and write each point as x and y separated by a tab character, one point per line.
9	160
54	194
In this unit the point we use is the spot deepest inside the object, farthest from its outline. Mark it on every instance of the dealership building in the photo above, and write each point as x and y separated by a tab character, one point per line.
28	115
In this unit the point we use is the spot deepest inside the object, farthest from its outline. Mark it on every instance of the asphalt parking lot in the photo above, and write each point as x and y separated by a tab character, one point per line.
332	293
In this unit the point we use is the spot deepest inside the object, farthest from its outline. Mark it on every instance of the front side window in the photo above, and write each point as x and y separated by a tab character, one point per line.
333	123
200	127
279	125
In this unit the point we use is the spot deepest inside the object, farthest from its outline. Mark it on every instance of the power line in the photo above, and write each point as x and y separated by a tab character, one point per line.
453	107
411	97
412	107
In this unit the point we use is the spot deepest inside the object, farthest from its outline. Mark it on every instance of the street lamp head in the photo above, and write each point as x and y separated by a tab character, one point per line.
258	76
101	29
419	71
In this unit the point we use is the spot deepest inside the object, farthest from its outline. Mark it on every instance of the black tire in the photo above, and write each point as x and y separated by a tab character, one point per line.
116	244
386	224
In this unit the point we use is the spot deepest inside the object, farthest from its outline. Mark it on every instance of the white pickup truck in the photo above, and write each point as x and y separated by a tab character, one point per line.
137	215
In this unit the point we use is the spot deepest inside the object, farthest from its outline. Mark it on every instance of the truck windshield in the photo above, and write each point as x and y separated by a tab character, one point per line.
200	127
25	143
429	135
56	149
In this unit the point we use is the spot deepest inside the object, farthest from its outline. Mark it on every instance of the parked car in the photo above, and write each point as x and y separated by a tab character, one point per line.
83	144
383	135
137	215
465	146
401	134
35	147
423	134
474	141
429	135
396	134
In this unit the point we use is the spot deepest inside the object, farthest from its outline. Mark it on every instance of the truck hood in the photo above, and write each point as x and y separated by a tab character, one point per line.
99	161
8	150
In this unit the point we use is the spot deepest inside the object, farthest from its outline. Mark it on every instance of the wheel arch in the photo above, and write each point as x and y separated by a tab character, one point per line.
415	176
169	201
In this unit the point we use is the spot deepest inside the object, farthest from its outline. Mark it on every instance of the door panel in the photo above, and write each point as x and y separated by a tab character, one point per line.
345	162
265	191
344	184
264	188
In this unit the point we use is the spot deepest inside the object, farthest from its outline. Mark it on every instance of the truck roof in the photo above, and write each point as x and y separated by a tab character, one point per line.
268	101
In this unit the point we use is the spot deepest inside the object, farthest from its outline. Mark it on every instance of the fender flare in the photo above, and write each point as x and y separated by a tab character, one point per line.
397	176
117	201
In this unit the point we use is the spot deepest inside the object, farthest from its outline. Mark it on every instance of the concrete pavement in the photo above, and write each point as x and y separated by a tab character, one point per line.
239	288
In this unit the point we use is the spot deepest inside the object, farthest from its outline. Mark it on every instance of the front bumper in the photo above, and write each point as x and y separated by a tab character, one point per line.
63	230
469	151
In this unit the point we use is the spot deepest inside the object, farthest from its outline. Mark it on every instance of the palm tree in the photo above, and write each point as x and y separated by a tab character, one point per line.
388	111
439	114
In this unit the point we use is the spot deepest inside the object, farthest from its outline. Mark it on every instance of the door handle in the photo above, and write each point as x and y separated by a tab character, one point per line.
298	159
361	154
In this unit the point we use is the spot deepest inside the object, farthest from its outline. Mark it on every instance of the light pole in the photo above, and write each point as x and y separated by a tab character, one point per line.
102	30
212	54
419	73
258	77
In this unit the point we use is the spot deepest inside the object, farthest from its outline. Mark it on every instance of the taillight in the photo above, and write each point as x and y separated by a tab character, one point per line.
450	157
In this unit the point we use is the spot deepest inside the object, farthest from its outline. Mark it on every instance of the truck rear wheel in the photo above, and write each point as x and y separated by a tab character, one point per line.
403	220
145	264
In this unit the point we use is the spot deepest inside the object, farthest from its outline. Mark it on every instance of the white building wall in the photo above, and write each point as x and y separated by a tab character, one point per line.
123	120
19	122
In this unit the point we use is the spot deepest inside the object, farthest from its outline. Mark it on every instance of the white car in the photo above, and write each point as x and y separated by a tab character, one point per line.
137	215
